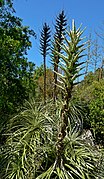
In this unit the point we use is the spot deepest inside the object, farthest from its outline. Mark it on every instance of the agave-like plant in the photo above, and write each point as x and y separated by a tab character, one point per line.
30	142
69	63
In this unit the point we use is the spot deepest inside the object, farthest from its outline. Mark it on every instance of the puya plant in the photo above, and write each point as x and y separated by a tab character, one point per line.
29	142
70	66
74	158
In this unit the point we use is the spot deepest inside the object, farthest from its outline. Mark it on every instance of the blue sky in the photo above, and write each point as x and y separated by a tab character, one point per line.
35	12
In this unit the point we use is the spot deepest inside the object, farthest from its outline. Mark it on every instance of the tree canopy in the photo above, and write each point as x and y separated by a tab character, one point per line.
15	70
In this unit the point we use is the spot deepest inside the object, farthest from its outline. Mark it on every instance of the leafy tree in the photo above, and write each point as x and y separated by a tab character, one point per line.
6	2
39	82
96	111
49	84
15	71
39	71
44	47
91	93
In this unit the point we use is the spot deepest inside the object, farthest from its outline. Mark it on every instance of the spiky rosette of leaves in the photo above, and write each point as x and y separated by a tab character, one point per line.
29	148
77	162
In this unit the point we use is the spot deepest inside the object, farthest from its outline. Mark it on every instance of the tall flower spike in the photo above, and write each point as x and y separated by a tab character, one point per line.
60	27
70	65
44	48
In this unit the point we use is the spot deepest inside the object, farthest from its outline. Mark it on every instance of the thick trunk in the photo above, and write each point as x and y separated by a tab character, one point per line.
63	127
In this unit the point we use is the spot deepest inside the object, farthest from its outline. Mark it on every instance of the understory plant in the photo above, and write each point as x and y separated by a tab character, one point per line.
42	142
